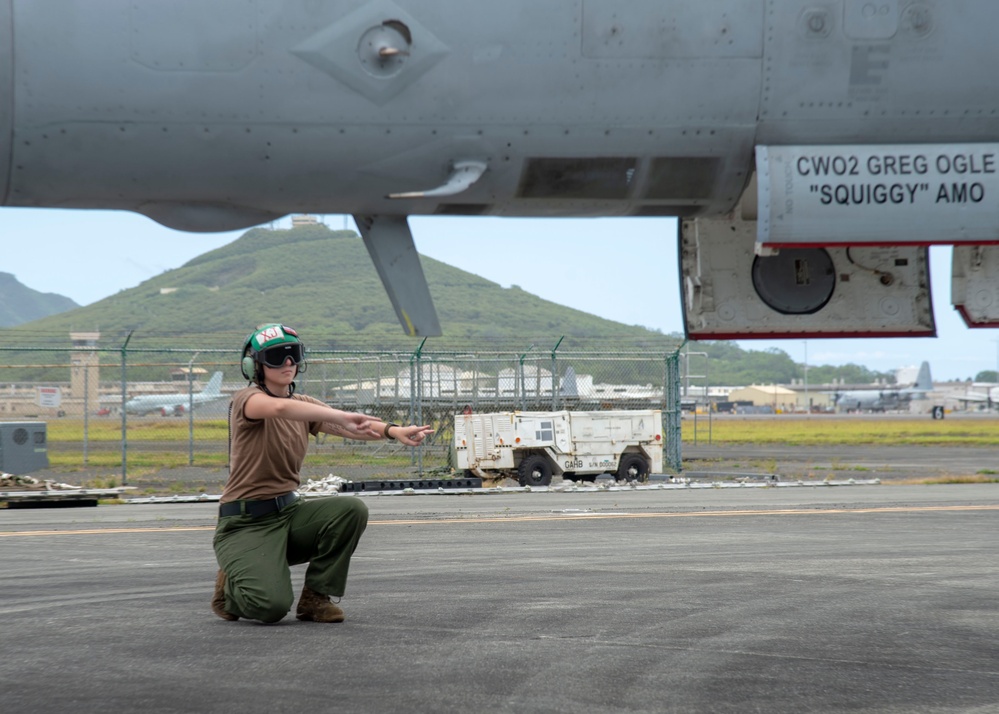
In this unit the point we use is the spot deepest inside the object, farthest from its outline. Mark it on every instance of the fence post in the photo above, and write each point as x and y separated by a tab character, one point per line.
86	411
190	410
521	383
475	382
416	403
555	380
673	410
124	419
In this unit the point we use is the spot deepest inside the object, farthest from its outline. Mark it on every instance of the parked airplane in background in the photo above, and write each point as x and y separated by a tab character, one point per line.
813	150
880	400
177	403
984	394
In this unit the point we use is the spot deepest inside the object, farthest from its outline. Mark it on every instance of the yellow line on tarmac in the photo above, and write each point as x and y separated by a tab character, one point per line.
550	517
691	514
99	531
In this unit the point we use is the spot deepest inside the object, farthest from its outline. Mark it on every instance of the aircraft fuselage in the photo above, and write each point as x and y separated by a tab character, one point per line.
224	114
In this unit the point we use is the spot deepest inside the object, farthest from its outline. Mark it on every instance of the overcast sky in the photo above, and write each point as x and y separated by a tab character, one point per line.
622	269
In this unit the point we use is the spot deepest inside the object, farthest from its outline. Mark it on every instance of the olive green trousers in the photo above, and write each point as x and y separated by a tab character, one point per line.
256	553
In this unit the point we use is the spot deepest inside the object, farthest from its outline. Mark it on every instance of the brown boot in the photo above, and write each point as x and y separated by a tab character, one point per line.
317	607
218	600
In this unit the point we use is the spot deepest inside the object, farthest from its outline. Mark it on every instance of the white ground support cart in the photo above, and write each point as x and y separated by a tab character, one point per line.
533	446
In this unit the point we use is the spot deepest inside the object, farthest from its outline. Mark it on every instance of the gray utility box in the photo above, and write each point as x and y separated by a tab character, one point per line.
23	447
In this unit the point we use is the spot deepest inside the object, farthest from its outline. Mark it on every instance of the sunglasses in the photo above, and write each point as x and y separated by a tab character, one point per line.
277	356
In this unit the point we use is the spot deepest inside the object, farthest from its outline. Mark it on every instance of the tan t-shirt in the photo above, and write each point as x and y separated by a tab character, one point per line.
266	455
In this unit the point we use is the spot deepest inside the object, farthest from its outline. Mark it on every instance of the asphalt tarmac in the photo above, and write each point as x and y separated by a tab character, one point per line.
810	599
885	462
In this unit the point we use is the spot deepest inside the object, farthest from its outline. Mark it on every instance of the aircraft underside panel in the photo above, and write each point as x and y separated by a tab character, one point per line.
729	292
975	284
884	71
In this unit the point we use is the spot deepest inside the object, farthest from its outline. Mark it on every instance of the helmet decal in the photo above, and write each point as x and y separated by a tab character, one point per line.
268	333
271	335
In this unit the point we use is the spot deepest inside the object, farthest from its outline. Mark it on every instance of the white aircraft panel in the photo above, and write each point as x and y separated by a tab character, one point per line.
731	293
886	194
974	287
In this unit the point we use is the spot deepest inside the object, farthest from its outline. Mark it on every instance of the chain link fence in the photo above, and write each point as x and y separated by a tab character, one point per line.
136	410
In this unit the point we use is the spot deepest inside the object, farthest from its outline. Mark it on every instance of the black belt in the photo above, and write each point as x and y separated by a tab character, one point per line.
255	509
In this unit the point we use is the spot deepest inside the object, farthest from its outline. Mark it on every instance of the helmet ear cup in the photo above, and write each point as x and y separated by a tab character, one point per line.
249	368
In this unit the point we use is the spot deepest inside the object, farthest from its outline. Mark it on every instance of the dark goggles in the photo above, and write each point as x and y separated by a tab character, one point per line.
277	356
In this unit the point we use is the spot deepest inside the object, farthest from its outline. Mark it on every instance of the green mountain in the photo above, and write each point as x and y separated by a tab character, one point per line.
20	304
323	283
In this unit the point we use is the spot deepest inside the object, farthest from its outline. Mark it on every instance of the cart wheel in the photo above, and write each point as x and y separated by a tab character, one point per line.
535	471
633	468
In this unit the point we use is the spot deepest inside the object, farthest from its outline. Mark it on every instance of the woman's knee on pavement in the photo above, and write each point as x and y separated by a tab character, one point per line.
269	612
266	607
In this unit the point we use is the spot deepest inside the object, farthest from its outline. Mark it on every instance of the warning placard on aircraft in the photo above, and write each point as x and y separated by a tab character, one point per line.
888	194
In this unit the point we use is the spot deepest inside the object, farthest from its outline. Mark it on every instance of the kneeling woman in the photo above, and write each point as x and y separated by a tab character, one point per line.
264	527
